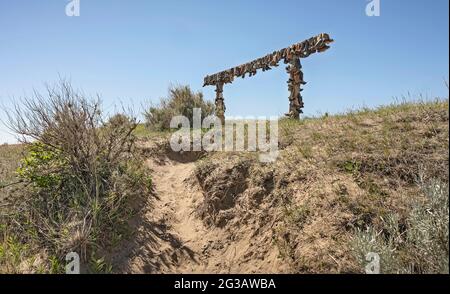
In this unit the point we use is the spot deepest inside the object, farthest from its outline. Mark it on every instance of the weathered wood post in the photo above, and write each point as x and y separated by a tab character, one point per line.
220	104
295	82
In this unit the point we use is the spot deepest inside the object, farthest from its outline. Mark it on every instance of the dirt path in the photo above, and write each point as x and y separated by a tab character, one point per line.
169	237
175	207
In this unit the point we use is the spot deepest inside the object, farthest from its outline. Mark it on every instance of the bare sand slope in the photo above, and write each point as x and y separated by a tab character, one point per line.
169	236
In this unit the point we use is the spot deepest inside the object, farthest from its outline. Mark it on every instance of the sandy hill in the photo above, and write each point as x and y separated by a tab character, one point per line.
343	186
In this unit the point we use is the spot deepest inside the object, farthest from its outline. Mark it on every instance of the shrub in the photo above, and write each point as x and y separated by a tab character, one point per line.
81	171
418	244
181	101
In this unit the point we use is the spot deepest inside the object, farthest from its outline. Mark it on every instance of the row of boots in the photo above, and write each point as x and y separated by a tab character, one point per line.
303	49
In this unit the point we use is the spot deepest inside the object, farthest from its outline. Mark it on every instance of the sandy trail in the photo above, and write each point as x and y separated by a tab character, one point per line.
176	203
169	237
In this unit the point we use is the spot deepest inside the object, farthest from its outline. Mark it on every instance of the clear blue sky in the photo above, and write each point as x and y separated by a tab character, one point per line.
130	51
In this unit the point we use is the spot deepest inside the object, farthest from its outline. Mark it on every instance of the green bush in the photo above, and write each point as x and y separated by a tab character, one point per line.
80	173
181	101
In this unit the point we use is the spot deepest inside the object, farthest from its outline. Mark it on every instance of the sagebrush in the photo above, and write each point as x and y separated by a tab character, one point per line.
417	244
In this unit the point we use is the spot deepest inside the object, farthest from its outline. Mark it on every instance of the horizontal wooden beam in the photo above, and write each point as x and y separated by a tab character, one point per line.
303	49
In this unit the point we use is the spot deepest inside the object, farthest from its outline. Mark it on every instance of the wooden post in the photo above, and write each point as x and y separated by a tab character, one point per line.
220	104
294	85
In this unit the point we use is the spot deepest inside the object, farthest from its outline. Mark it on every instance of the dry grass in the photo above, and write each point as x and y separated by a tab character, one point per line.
10	156
9	161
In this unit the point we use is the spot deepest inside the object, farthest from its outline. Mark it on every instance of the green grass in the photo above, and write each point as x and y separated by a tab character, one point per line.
144	133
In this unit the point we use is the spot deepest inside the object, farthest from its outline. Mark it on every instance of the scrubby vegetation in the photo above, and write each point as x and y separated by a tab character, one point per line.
78	178
181	100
